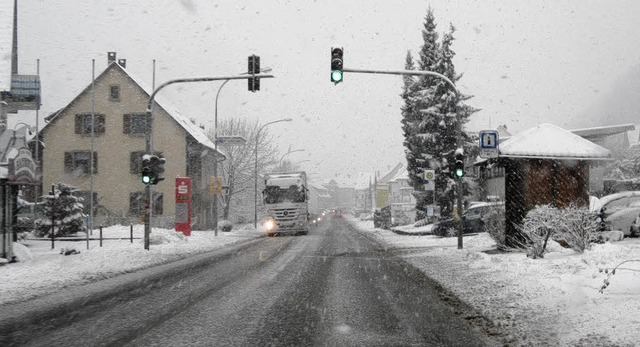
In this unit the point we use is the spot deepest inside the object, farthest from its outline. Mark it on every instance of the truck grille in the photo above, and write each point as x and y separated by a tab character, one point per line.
285	214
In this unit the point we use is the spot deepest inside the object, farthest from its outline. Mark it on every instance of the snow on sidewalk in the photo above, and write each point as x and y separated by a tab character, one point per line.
41	270
551	301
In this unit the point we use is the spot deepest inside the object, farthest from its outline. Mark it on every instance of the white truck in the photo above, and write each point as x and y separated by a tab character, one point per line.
286	200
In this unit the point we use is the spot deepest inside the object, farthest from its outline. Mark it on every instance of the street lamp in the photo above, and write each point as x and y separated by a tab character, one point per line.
289	152
255	187
215	145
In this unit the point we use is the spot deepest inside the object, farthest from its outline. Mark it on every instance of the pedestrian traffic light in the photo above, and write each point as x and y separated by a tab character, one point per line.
336	65
254	68
146	174
458	166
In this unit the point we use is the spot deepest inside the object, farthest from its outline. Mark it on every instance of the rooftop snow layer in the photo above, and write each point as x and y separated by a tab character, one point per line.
550	141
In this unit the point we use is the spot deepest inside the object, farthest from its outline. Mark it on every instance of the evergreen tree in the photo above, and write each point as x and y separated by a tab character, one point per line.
431	125
66	209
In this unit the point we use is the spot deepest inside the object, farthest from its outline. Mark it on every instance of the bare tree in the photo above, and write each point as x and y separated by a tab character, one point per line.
238	169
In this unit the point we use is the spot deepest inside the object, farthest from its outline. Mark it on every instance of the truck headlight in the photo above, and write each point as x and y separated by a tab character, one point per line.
269	224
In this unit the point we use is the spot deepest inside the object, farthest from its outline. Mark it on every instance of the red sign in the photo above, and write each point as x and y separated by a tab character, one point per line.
183	205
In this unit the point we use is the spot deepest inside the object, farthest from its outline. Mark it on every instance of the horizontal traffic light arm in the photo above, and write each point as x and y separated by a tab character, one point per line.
405	73
201	79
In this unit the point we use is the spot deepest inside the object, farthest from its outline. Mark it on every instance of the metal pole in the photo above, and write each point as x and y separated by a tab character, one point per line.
215	159
53	210
149	137
255	186
289	152
458	128
38	164
93	145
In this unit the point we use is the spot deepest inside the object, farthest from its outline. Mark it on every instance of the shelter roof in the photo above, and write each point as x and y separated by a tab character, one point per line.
548	141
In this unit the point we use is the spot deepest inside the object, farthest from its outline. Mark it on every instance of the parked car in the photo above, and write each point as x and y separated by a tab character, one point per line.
619	211
473	219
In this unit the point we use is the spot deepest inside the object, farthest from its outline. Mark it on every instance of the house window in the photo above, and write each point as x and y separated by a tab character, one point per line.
136	203
83	124
79	162
135	161
114	92
135	123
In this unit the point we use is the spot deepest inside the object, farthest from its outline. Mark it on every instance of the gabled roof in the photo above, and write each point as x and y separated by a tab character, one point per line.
161	102
401	175
391	174
548	141
320	191
6	39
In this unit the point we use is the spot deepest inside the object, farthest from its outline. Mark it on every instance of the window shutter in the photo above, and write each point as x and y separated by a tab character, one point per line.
134	162
126	124
100	120
95	162
78	124
68	161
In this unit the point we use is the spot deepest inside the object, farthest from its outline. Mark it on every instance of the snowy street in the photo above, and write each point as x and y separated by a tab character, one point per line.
552	301
333	287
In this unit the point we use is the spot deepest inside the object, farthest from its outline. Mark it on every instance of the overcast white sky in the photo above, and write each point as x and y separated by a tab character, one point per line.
526	62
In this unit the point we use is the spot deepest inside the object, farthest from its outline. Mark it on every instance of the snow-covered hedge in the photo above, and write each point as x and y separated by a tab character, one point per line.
572	227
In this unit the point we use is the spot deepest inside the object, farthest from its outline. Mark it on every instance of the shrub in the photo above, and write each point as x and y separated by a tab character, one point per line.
571	227
225	225
495	225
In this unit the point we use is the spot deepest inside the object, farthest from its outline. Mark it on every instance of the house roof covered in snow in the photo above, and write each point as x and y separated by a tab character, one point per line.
6	43
597	132
320	191
391	174
403	174
160	101
548	141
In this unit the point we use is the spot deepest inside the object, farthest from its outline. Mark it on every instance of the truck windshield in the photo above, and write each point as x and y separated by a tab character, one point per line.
277	195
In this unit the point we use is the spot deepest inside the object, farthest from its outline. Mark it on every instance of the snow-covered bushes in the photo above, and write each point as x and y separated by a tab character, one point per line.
495	225
225	225
571	227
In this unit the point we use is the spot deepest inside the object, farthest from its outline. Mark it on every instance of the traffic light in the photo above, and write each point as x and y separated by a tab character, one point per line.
146	174
336	65
254	68
157	169
458	166
152	169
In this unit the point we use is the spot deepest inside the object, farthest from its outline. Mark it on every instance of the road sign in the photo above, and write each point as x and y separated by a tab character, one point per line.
215	185
231	140
489	144
429	180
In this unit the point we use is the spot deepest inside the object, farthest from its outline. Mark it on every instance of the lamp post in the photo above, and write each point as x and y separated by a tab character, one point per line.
215	145
255	187
289	152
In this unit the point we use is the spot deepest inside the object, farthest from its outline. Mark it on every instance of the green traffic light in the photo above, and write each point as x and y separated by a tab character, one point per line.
146	179
459	172
336	76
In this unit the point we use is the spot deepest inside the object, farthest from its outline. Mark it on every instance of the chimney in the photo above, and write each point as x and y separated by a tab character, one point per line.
111	58
122	62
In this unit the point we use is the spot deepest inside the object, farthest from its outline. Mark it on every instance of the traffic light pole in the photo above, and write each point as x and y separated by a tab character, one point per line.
459	225
149	135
